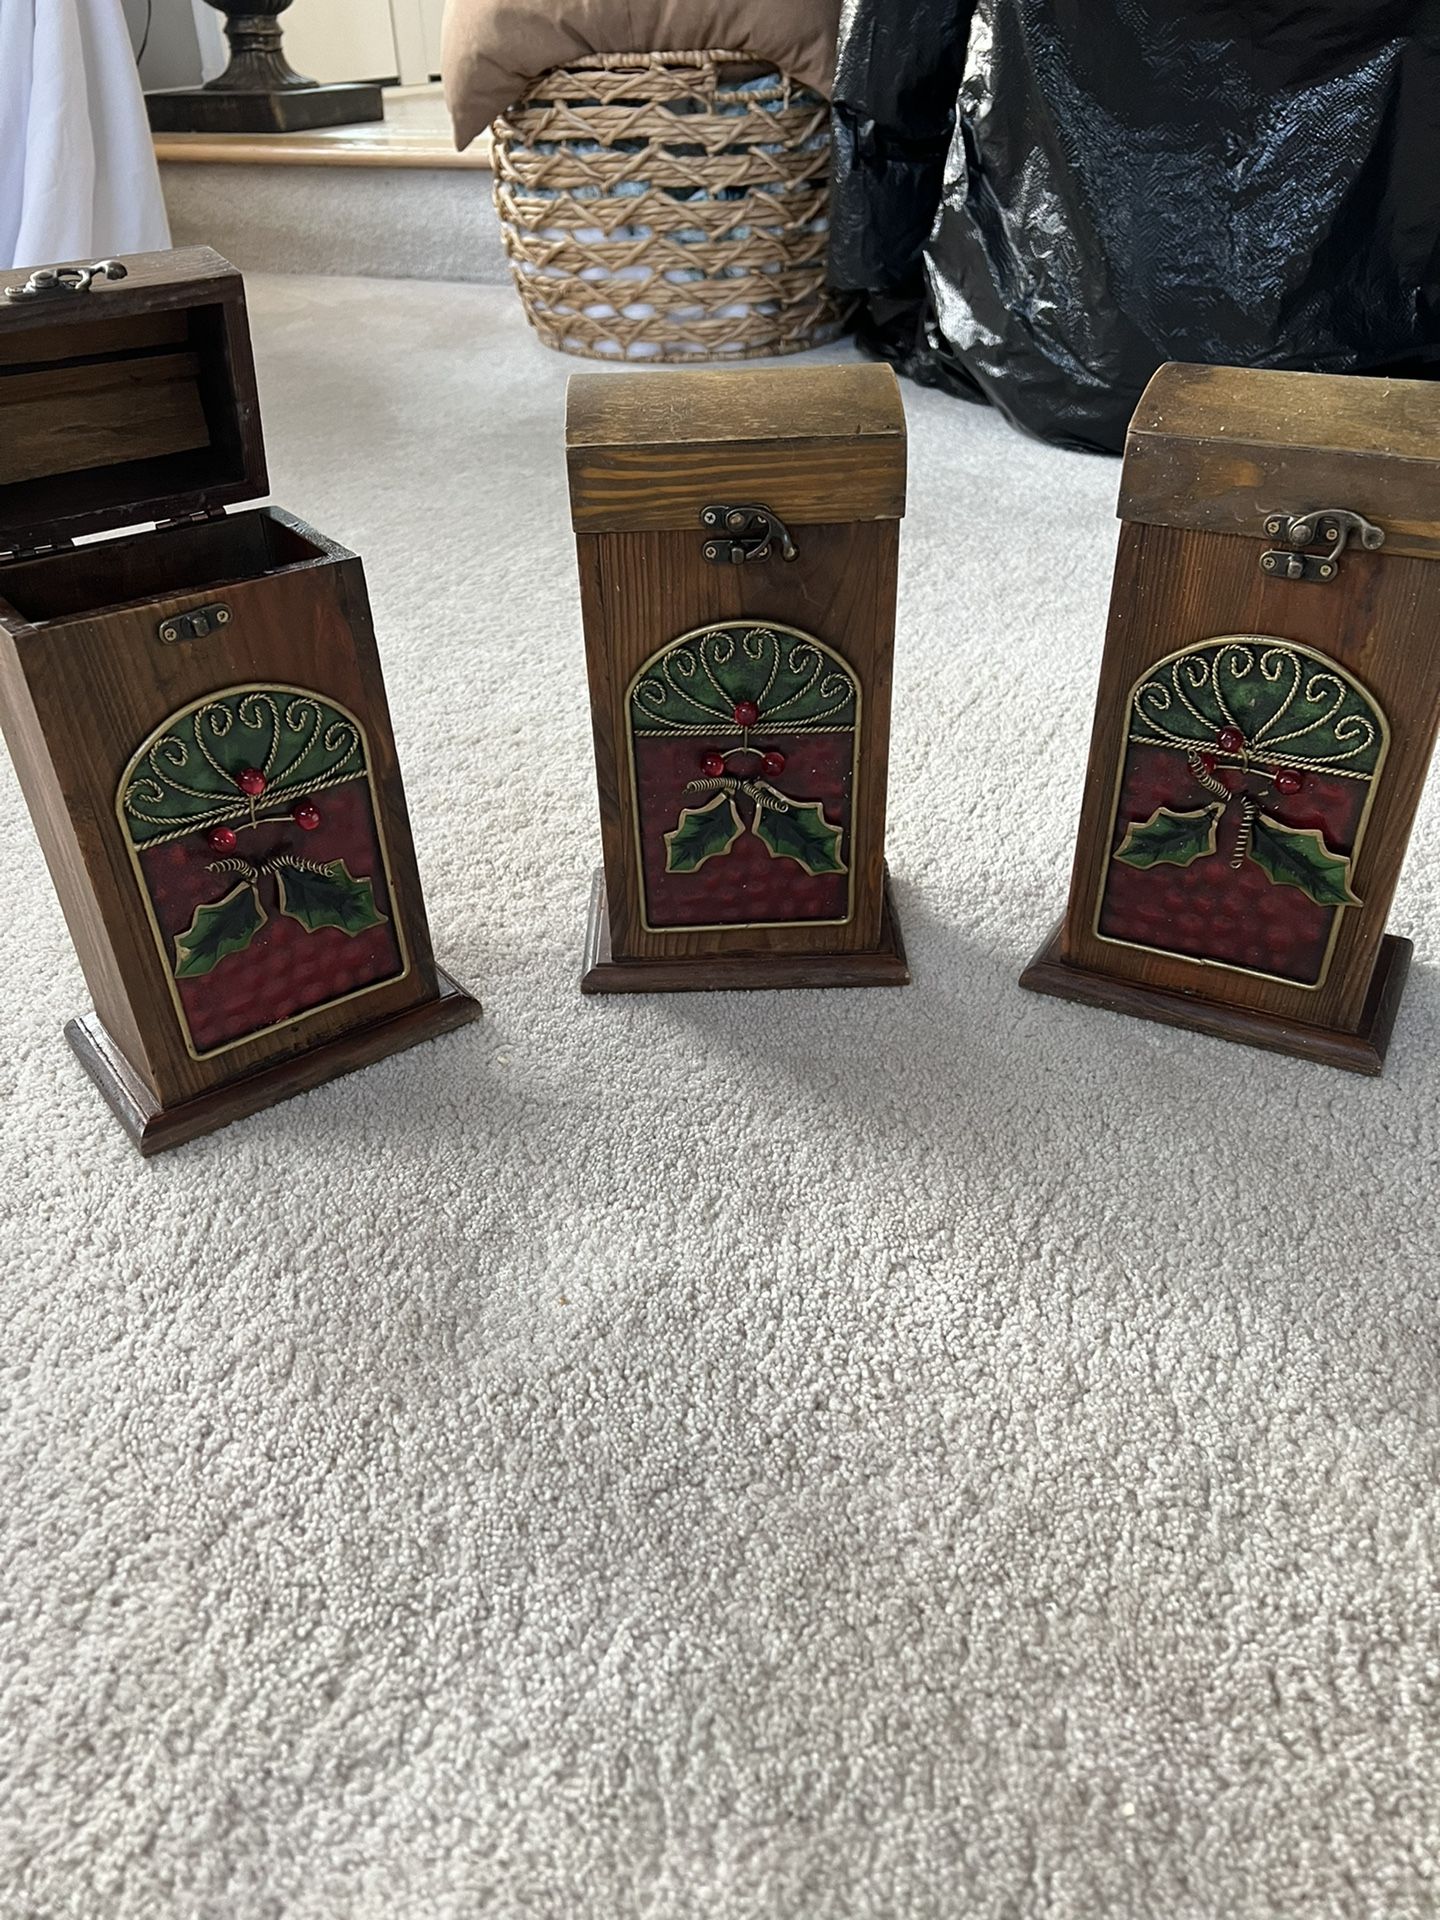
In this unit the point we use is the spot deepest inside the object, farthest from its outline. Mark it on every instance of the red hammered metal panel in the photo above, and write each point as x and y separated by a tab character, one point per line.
252	826
743	742
1241	799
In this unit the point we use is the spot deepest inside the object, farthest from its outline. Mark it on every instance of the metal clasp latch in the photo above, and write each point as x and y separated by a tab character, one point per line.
196	624
53	283
750	533
1335	524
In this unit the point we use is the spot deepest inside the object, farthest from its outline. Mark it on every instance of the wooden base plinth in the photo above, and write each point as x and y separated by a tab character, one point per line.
154	1128
1362	1052
882	966
285	110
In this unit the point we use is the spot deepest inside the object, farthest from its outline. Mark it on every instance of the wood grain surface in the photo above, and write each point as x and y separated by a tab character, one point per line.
814	444
1360	1051
66	419
133	400
883	965
1216	449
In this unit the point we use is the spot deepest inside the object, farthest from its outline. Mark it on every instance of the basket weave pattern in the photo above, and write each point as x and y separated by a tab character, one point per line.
668	207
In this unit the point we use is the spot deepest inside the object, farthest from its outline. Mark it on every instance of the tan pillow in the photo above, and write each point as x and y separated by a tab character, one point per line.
491	50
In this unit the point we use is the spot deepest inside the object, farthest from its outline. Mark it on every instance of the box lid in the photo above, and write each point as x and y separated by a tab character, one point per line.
1224	449
649	451
125	399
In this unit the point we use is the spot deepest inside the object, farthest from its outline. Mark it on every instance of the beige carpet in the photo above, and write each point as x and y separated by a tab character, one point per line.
906	1455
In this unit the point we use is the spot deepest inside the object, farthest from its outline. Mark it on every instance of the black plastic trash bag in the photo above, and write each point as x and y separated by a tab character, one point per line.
1045	199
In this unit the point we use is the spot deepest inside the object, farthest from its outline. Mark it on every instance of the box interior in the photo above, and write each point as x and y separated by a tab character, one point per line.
160	564
96	415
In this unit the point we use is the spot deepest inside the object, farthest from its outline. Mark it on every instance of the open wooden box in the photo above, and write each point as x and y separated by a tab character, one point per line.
196	713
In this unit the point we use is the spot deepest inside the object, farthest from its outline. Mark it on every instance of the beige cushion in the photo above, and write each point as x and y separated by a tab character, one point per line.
491	50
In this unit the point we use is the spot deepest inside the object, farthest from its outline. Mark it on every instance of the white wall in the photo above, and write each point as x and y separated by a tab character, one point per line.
186	44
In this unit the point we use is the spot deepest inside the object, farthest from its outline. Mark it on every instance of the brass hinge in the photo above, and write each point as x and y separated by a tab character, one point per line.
37	552
200	519
1335	524
749	533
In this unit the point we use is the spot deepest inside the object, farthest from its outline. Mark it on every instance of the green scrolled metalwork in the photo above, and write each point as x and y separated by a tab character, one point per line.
184	777
1293	706
694	685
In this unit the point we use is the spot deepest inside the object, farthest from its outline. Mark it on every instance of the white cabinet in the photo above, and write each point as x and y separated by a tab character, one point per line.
431	12
364	39
341	39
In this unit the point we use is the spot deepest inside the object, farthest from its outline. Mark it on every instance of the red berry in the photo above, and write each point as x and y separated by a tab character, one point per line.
712	763
306	815
250	780
772	763
221	839
1288	781
746	713
1207	761
1231	739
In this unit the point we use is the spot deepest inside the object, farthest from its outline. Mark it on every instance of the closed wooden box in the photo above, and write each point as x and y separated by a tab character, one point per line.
737	535
196	712
1268	703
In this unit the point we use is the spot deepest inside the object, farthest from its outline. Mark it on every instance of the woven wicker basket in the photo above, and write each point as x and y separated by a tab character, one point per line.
668	206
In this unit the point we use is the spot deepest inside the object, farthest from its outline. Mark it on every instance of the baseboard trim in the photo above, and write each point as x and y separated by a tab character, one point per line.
373	145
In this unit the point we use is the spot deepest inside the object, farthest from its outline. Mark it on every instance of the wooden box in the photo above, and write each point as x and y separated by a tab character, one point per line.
737	536
1268	703
196	713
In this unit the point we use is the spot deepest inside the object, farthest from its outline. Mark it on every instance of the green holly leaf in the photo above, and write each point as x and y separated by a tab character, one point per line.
327	897
1171	839
228	926
1299	857
801	833
701	833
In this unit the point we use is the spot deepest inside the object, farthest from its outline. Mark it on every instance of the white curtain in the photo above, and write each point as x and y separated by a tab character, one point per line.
77	169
